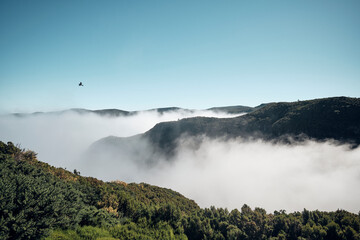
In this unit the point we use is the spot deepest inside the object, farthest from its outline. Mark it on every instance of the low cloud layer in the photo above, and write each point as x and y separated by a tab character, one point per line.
61	139
228	174
310	175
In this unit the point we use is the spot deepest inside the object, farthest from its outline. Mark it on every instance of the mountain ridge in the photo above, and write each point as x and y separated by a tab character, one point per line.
113	112
274	121
336	118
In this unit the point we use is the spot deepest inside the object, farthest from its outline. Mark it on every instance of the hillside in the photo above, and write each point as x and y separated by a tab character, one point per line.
335	118
36	197
39	201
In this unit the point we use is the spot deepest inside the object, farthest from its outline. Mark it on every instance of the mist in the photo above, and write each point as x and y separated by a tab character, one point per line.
60	139
229	173
311	175
219	172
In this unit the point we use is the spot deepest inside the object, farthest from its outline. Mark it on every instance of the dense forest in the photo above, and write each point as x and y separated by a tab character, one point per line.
38	201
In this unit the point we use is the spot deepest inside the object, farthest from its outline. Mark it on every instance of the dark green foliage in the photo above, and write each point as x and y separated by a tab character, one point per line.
39	201
36	197
32	201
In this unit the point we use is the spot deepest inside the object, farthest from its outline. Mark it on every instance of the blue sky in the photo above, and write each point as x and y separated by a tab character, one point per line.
136	55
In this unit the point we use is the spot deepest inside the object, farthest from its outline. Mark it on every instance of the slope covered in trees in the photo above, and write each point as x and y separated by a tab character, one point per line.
36	197
40	201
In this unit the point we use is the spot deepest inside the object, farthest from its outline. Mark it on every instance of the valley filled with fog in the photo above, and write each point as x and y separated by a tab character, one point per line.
224	173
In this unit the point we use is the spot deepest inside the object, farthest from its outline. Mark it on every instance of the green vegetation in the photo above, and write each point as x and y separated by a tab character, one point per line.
38	201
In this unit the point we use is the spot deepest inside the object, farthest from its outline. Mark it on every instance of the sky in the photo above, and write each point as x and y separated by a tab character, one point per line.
136	55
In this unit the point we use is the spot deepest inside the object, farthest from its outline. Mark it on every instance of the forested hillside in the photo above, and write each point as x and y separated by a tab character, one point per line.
38	201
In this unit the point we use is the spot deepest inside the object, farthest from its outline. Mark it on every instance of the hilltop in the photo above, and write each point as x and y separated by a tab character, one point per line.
320	119
336	119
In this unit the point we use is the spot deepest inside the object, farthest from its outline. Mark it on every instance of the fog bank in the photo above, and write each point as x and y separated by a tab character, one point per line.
228	174
61	138
310	175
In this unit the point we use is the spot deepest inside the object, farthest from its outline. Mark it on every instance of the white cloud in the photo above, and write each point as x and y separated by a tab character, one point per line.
61	139
223	173
311	175
229	174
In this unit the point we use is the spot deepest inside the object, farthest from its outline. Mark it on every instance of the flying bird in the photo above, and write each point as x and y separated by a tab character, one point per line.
80	84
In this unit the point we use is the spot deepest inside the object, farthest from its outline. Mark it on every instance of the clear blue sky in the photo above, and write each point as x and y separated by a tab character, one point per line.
135	55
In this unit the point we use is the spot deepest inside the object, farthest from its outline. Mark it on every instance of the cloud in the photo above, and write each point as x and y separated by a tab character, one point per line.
230	173
61	139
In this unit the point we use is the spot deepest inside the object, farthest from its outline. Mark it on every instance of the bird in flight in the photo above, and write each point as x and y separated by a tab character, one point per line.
80	84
